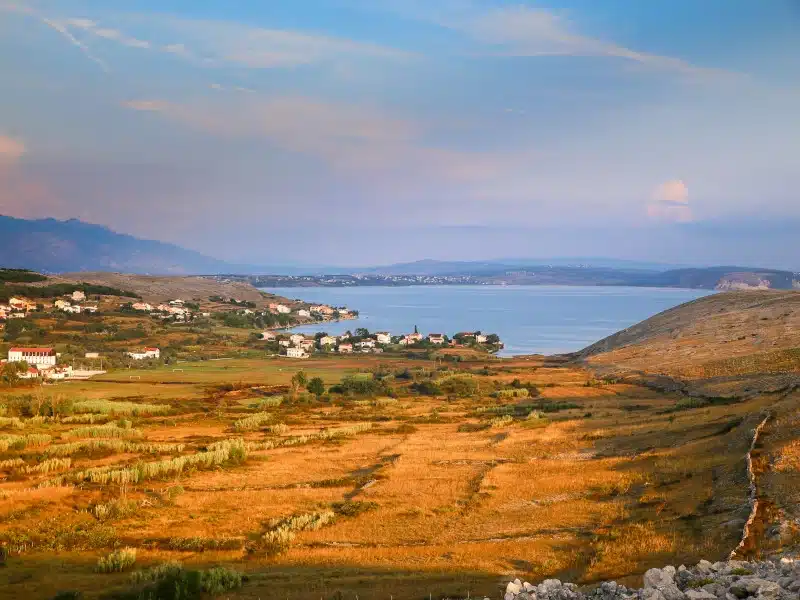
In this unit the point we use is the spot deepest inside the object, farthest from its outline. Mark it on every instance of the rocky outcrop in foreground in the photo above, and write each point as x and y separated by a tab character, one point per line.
733	580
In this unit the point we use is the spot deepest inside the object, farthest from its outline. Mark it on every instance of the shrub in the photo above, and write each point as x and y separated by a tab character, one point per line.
461	386
49	466
503	421
68	595
201	544
109	430
12	422
161	571
117	561
426	388
282	531
107	407
218	580
252	422
115	509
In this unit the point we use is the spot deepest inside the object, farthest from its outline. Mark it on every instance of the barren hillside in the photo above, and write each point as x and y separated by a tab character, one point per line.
725	334
162	288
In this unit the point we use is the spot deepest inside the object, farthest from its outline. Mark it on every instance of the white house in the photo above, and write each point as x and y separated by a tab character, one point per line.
327	340
296	338
284	310
148	353
247	311
296	353
177	302
322	310
61	304
346	348
285	343
142	306
17	315
92	355
43	357
480	338
74	309
383	337
90	309
78	296
21	304
268	336
307	345
436	338
303	313
366	344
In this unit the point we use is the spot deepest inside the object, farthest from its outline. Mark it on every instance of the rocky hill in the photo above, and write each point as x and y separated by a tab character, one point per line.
732	333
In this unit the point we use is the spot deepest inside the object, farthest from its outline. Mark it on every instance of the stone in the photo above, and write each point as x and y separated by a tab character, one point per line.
700	595
528	587
509	596
552	584
652	594
657	578
704	567
513	587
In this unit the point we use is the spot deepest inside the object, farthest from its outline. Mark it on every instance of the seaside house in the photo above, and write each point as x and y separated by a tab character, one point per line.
142	306
383	337
480	338
303	313
43	357
307	345
285	343
346	348
282	309
327	340
322	309
296	338
268	336
296	353
78	296
436	338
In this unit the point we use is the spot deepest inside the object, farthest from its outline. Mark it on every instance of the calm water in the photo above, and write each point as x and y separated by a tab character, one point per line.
529	319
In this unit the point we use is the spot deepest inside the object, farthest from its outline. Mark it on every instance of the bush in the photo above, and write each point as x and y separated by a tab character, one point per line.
218	580
3	556
117	561
68	595
426	388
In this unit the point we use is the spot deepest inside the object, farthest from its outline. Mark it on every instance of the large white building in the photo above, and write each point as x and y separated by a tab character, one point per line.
41	357
148	353
383	337
296	353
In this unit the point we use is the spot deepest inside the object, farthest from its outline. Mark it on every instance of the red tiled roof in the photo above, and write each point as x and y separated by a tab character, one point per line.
41	351
150	349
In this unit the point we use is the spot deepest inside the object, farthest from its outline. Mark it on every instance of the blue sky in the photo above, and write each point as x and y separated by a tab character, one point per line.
371	131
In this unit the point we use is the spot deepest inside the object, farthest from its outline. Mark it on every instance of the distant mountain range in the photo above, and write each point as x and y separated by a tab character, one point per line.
53	246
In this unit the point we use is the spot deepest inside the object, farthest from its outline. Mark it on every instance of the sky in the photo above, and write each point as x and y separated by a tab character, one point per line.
359	132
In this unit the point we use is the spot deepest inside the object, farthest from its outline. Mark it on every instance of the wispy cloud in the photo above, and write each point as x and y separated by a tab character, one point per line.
362	140
11	149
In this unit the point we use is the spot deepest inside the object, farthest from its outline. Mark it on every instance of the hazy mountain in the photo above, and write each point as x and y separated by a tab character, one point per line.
56	246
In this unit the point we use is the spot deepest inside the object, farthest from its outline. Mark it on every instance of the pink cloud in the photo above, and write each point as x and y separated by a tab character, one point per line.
670	202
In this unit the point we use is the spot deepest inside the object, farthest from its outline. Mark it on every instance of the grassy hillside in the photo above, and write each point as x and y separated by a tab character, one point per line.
734	333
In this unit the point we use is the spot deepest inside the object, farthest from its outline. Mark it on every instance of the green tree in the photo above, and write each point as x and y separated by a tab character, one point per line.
316	386
300	379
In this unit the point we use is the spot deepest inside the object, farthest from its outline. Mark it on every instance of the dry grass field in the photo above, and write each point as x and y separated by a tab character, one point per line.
505	468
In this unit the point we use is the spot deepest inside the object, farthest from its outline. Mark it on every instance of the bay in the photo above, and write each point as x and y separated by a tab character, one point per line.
529	319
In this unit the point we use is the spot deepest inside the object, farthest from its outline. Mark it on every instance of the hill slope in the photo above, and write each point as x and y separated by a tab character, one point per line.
731	333
58	246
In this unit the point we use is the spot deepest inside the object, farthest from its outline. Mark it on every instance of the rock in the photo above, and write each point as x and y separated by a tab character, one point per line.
528	587
652	594
658	578
700	595
704	567
525	596
509	596
513	587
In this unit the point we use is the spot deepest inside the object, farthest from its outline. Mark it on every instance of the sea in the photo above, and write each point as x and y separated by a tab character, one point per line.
528	319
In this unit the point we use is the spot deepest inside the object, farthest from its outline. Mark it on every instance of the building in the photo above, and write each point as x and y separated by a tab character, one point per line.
327	340
307	345
74	309
41	357
480	338
346	348
282	309
296	338
322	310
296	353
61	304
383	337
178	303
303	313
147	353
78	296
268	336
142	306
285	343
90	309
366	344
18	303
436	338
92	355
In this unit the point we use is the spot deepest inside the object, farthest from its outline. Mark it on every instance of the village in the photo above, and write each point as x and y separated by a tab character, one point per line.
297	345
46	364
